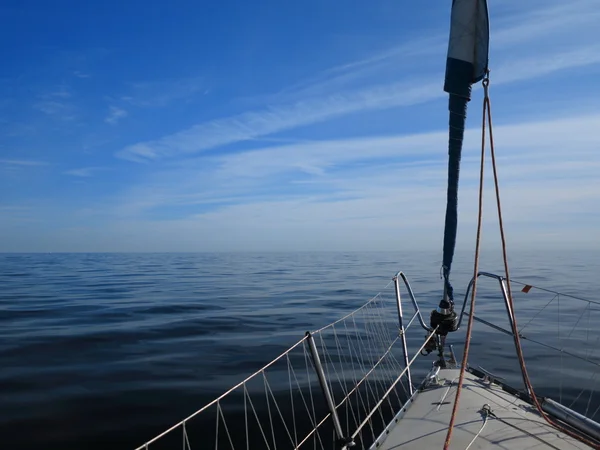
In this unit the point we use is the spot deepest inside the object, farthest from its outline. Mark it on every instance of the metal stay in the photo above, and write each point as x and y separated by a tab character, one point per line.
504	290
565	414
402	330
417	315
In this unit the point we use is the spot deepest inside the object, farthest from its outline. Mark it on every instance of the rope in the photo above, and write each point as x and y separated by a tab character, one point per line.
475	271
445	394
486	411
515	328
487	113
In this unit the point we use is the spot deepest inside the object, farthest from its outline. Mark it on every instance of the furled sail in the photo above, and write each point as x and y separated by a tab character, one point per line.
467	63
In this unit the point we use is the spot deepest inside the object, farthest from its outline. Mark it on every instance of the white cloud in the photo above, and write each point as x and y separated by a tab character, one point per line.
374	192
80	74
61	91
162	93
403	218
54	103
83	172
399	59
548	22
275	119
56	109
23	162
546	64
369	193
115	114
50	107
260	123
532	41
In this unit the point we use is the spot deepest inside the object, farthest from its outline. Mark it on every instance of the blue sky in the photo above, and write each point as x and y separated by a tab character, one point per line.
315	125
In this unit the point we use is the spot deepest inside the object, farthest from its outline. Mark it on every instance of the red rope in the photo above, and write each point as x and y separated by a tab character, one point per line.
515	329
487	112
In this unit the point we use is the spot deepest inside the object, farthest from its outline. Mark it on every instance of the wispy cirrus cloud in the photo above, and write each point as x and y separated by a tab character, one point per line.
330	190
546	64
115	114
56	109
156	94
84	172
294	173
522	52
80	74
23	162
56	103
541	22
61	91
376	165
532	23
405	59
279	118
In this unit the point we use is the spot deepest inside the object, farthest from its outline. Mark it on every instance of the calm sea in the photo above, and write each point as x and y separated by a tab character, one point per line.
100	350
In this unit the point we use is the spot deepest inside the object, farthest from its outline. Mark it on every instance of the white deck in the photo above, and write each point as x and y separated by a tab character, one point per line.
514	425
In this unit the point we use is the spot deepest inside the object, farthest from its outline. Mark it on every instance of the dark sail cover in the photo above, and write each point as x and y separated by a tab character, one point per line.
467	63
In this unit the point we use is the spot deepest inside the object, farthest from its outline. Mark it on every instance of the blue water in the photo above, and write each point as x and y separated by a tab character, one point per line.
109	349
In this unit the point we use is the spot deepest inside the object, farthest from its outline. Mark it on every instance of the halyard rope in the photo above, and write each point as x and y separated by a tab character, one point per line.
487	113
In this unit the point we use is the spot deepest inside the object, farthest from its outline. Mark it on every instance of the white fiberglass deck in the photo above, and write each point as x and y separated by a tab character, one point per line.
513	424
